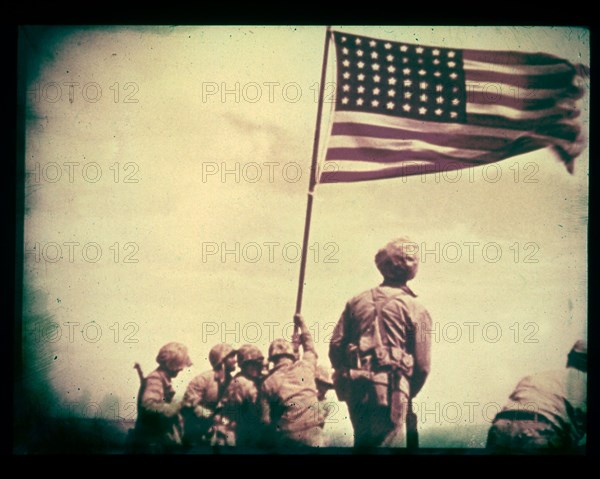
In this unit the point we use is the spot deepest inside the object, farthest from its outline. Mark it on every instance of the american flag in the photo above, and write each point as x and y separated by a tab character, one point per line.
404	109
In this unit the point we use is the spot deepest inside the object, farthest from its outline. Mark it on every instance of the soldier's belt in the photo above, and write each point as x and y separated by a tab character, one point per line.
381	377
516	415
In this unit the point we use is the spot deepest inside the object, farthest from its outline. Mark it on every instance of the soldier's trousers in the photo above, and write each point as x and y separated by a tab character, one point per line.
513	436
372	423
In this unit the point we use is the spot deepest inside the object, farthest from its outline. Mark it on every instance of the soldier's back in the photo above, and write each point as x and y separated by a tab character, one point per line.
292	392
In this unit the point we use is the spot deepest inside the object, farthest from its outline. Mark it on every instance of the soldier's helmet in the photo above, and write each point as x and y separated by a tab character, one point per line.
398	260
323	375
578	356
281	347
218	353
174	356
249	352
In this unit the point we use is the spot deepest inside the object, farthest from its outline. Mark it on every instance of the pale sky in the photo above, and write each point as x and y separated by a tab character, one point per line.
181	128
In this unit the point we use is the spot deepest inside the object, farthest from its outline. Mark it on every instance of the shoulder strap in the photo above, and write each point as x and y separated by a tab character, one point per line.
379	305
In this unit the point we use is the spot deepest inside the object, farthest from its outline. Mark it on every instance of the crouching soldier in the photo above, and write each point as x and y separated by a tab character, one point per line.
290	406
547	411
159	424
204	392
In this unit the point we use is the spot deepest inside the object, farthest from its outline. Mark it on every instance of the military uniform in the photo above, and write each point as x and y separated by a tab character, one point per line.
365	351
290	405
159	425
546	411
199	404
203	395
237	421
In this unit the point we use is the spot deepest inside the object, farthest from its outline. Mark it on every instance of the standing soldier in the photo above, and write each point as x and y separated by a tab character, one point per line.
546	411
379	358
204	392
159	425
290	407
237	421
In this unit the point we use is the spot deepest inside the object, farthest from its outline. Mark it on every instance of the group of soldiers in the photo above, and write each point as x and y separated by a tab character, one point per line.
380	362
284	407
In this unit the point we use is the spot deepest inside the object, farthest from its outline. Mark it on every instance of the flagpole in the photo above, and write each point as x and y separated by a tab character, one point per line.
312	182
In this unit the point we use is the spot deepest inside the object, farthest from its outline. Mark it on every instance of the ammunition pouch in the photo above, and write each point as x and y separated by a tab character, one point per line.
381	378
